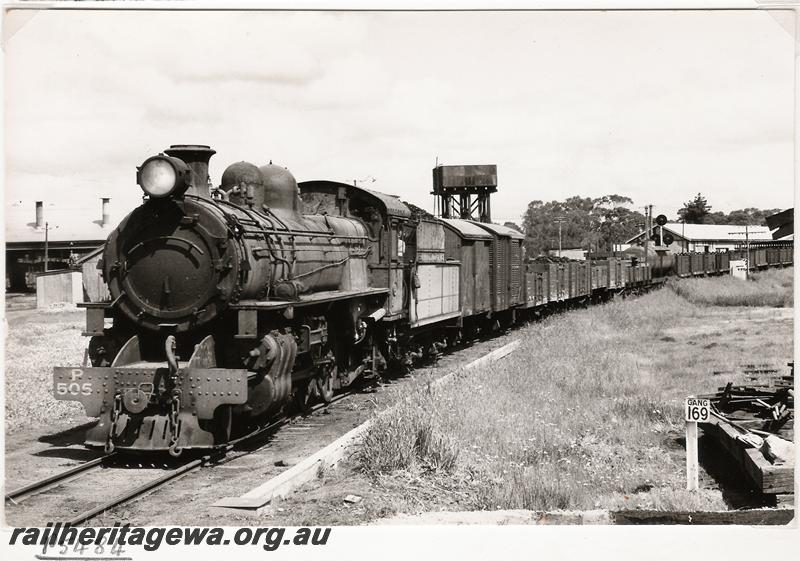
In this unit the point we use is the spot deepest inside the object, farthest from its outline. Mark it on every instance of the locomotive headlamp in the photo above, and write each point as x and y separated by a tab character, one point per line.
163	176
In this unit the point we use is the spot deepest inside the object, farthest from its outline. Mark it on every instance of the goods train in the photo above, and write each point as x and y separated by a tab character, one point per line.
230	303
664	264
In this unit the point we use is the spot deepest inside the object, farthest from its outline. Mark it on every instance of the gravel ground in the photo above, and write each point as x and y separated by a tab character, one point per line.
35	449
36	341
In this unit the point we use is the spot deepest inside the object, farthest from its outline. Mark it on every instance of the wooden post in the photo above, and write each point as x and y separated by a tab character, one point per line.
692	470
695	409
646	232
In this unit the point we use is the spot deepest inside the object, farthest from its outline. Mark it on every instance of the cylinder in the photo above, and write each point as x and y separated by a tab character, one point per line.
196	157
39	215
105	218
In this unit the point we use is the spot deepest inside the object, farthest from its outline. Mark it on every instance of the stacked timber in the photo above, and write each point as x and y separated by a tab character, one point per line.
754	422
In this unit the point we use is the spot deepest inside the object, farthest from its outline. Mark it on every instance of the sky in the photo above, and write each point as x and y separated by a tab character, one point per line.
656	106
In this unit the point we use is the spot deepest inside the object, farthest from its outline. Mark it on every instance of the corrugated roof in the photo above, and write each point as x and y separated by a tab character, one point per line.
500	230
717	232
466	228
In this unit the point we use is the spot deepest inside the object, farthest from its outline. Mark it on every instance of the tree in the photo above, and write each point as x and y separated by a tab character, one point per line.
752	216
513	226
696	211
715	217
585	222
619	225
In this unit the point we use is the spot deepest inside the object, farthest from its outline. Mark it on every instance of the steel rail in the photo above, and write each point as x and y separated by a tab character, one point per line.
139	491
20	493
216	456
252	439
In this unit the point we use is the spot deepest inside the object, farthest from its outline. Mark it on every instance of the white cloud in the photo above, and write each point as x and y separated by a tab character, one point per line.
653	105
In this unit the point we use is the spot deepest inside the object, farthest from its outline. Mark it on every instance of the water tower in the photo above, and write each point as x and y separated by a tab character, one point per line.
464	191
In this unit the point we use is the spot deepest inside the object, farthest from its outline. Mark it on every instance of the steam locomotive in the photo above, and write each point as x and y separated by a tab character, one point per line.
228	304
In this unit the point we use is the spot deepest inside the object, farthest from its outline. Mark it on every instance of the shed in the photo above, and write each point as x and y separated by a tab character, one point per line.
705	238
42	237
58	287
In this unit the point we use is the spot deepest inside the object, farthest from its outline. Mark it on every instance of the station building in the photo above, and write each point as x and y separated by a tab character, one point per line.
709	238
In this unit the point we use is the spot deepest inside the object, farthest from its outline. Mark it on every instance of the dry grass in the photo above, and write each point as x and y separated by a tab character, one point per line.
583	415
769	288
36	341
408	439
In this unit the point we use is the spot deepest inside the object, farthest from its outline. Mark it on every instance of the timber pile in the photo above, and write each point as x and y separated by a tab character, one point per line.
754	422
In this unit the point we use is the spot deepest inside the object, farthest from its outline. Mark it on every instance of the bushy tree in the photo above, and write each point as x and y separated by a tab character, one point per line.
716	217
696	211
618	225
750	215
585	222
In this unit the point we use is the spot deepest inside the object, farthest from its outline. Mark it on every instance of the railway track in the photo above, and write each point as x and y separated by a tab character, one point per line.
232	451
18	495
243	445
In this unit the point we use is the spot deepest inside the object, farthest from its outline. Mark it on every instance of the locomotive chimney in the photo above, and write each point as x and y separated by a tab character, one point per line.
105	219
39	215
196	157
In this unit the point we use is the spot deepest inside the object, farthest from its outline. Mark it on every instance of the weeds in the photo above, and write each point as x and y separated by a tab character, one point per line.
577	417
771	288
407	439
437	451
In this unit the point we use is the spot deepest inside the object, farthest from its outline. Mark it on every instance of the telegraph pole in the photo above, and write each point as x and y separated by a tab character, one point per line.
747	244
747	247
683	235
559	221
46	228
559	239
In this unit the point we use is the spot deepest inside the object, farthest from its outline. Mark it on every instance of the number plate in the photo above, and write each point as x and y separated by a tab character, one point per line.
697	410
202	389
